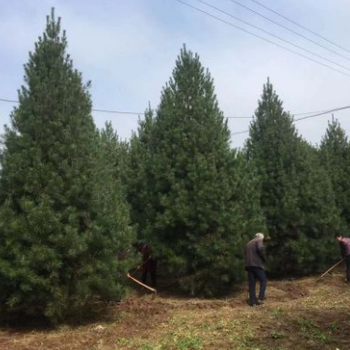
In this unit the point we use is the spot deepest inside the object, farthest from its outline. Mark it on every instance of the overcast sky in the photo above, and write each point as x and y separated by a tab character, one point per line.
128	48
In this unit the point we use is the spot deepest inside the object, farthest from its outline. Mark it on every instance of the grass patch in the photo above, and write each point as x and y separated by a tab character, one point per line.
304	316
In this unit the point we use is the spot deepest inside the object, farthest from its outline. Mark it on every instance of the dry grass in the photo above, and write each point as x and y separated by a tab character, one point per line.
300	314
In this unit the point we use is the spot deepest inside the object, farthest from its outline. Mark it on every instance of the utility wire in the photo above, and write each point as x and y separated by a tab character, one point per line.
11	101
135	113
294	114
303	113
273	35
322	113
94	110
238	117
117	112
290	30
301	26
310	116
262	38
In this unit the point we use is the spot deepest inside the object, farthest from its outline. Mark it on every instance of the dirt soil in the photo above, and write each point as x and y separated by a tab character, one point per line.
298	314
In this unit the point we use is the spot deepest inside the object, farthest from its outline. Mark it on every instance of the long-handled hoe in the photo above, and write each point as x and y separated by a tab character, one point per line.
330	269
128	275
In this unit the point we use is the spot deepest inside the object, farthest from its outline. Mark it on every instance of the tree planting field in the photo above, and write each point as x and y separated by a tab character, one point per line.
298	314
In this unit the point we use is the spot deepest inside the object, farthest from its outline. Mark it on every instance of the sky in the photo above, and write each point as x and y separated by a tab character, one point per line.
128	49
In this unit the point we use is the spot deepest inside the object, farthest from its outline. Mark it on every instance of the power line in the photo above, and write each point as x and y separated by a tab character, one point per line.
238	117
290	30
136	113
273	35
11	101
303	113
322	113
116	112
239	132
94	110
310	116
299	25
262	38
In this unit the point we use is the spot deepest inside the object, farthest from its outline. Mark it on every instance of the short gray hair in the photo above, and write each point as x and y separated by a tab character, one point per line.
259	235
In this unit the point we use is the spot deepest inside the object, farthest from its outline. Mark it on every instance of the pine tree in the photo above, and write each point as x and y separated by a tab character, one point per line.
296	194
57	251
318	216
201	194
113	230
138	177
335	157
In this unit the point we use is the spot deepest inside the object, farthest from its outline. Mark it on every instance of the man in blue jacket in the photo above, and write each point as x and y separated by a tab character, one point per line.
344	243
254	265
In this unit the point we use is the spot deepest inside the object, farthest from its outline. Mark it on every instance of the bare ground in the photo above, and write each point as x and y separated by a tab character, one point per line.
298	314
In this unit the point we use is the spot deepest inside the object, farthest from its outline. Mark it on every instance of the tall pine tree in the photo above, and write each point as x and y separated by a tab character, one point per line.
202	195
113	231
138	177
296	193
335	157
58	245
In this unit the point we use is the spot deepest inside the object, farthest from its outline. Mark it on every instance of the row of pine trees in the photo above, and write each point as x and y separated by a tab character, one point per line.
74	199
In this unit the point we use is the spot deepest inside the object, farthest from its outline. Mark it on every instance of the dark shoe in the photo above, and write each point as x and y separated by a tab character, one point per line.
250	303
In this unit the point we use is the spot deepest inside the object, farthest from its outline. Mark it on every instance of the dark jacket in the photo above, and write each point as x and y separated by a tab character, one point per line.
345	247
149	263
255	253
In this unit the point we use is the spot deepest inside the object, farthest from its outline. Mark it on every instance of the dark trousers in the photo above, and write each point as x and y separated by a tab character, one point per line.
254	274
151	269
347	262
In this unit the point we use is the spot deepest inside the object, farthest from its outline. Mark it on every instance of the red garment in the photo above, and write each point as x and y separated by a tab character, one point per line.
345	246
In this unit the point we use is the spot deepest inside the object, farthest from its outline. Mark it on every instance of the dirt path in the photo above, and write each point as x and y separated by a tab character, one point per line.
299	314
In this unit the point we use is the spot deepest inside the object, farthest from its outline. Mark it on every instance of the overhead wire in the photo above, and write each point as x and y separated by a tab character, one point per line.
261	37
322	113
273	35
302	118
116	112
299	25
232	117
94	110
288	29
303	113
111	111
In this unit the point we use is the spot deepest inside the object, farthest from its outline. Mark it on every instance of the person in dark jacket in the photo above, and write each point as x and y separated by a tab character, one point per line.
254	265
344	243
149	265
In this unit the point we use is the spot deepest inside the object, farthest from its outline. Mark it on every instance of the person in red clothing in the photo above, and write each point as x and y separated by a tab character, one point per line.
149	265
344	243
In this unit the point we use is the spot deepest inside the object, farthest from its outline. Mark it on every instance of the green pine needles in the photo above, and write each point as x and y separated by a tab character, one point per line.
60	230
296	193
202	196
73	197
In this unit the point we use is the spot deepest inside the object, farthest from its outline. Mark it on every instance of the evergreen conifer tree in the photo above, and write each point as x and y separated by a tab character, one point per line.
113	231
203	200
138	176
296	194
58	246
335	157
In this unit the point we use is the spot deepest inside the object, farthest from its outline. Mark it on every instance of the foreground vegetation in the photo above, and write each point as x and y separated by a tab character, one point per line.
298	314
